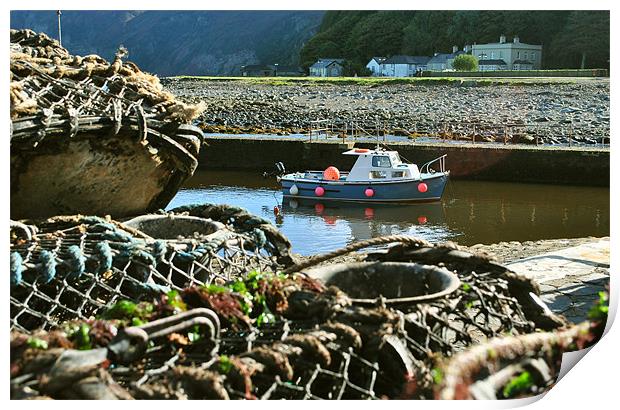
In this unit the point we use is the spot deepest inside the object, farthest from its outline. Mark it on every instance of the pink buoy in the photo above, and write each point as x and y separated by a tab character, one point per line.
369	192
422	187
319	191
331	174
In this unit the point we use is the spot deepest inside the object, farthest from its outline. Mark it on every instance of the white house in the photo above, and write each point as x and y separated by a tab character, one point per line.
327	67
516	55
374	65
403	66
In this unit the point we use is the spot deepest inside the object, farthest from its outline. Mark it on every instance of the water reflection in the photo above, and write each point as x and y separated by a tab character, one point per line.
471	212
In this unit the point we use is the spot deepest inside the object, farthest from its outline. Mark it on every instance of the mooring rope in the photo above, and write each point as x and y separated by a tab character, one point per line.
382	240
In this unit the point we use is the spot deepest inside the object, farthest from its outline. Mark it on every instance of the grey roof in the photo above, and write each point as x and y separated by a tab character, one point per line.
324	62
407	60
442	58
256	67
522	62
379	59
491	62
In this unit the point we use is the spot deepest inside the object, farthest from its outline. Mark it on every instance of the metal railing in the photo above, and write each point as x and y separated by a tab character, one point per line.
440	160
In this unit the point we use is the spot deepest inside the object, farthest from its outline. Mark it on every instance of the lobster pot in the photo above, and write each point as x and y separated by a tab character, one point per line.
93	137
72	267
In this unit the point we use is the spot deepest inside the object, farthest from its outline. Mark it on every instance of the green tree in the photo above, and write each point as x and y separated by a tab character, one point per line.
465	62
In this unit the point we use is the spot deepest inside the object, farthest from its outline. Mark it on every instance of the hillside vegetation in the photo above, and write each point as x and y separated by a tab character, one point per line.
570	39
181	42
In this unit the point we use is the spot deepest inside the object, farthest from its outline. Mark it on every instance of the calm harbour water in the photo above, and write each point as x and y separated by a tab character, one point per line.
470	212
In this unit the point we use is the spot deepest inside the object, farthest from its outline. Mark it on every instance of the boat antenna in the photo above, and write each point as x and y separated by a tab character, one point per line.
59	13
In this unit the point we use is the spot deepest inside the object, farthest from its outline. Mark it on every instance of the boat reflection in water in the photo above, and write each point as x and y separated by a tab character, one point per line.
367	221
470	212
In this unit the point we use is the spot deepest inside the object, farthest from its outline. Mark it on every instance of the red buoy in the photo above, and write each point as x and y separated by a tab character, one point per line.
369	192
422	187
331	174
319	191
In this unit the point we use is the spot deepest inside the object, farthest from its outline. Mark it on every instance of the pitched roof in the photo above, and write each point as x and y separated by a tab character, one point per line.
443	58
400	59
491	62
324	62
378	59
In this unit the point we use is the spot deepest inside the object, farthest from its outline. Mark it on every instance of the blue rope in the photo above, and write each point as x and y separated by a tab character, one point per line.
76	261
103	253
16	268
261	238
48	266
159	250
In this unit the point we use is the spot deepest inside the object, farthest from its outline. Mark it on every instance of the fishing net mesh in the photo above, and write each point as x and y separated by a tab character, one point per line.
67	92
76	266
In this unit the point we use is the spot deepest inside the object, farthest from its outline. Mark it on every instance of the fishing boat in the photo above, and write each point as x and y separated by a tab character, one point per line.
378	175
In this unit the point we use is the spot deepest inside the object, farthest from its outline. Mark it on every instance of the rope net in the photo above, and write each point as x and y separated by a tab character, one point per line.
65	92
75	266
279	335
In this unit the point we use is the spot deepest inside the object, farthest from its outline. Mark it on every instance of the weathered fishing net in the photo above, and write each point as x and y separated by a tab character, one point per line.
518	366
71	92
72	267
93	137
280	335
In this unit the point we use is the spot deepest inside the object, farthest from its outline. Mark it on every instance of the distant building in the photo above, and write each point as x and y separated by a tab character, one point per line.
515	55
288	71
374	65
271	70
492	65
443	62
257	70
327	67
403	66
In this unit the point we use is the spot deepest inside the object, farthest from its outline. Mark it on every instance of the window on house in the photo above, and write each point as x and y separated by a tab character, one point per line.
500	54
518	55
492	54
381	162
533	56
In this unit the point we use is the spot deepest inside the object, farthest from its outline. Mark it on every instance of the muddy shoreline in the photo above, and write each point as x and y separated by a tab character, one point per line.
545	113
502	252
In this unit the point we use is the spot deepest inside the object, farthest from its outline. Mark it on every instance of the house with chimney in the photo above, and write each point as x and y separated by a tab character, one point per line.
443	61
505	55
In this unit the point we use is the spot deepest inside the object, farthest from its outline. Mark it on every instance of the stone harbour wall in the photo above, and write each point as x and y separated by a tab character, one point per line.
496	162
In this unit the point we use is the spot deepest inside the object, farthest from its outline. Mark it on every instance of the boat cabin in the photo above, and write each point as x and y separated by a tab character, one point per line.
379	165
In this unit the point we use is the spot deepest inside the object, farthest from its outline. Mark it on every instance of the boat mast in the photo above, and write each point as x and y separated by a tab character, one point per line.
58	13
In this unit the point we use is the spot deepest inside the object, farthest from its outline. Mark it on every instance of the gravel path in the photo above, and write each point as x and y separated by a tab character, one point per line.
551	111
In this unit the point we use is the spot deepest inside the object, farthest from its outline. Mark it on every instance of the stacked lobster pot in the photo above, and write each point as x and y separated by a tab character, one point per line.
207	302
93	137
116	299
